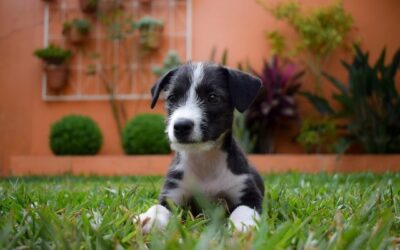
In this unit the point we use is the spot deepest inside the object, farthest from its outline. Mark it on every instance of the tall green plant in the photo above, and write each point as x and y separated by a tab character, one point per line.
320	32
119	28
224	57
370	102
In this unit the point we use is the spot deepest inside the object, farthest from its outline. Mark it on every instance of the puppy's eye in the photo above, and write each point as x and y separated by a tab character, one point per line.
172	98
213	98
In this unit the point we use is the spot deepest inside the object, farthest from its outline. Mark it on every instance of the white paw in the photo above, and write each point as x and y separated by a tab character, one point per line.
244	218
157	216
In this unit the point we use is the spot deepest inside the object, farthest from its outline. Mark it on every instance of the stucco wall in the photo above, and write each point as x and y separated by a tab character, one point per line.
237	25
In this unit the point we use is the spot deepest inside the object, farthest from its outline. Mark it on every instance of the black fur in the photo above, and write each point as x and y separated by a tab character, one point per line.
230	89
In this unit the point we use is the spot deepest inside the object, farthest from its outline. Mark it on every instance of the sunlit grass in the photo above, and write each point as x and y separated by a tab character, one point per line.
300	212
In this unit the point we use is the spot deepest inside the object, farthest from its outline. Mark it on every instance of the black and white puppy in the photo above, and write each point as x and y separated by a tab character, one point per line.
201	98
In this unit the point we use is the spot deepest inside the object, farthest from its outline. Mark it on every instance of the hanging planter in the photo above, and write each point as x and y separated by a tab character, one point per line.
145	2
88	6
76	31
57	76
150	32
56	67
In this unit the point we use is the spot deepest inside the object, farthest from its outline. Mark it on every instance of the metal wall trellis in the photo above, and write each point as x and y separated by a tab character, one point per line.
132	78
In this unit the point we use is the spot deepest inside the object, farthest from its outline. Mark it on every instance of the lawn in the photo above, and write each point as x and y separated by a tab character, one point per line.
359	211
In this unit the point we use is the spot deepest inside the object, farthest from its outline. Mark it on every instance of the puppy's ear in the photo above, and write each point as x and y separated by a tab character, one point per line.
243	88
160	84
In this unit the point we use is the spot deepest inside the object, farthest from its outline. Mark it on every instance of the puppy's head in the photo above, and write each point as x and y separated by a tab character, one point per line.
200	102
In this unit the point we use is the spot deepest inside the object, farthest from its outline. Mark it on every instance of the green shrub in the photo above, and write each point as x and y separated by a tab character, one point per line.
75	135
318	135
145	134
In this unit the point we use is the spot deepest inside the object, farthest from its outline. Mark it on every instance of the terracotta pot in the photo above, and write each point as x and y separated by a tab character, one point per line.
74	36
54	60
57	76
145	2
106	6
87	6
151	38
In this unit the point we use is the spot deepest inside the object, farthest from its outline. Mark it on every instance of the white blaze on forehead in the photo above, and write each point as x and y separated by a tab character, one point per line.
197	74
190	109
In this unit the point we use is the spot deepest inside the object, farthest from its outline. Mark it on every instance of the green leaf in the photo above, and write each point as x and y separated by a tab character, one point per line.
342	145
380	63
339	85
319	103
224	58
395	65
129	236
382	228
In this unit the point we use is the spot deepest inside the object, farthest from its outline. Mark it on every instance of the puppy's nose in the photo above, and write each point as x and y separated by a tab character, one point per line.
183	127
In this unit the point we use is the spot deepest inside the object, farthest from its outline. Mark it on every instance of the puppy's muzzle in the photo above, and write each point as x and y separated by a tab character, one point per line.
183	129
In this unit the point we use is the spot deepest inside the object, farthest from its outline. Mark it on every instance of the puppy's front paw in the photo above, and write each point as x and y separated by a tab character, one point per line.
157	216
244	218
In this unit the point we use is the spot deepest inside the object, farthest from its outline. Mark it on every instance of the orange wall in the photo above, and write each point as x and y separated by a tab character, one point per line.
237	25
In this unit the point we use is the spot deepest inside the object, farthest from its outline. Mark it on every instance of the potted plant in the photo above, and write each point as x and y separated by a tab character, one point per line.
275	105
77	30
144	2
107	6
56	69
171	61
88	6
369	103
150	32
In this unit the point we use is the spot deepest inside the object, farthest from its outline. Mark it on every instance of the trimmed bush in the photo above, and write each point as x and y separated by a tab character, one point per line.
75	135
145	134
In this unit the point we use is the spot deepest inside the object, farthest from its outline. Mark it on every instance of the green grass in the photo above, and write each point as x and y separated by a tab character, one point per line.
300	212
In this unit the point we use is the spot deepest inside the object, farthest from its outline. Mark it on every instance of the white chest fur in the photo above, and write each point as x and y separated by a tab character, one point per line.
207	173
